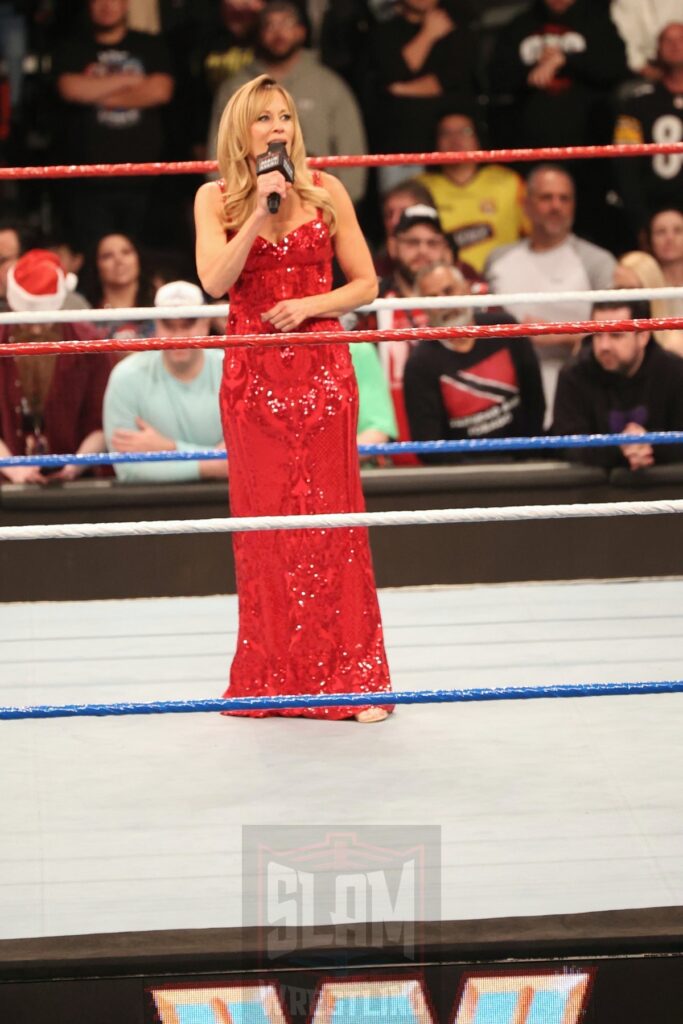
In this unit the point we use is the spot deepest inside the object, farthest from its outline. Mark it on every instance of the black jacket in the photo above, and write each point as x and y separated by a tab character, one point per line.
590	400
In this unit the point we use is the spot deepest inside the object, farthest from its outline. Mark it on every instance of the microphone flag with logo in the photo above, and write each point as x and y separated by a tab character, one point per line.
275	159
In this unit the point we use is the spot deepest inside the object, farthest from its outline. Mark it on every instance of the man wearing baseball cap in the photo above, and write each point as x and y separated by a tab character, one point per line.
160	401
417	241
49	404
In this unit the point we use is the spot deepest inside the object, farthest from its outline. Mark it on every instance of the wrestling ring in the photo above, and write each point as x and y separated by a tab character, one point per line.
536	803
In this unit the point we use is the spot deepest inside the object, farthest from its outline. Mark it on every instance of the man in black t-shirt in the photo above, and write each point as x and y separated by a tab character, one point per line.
114	84
422	55
226	44
621	383
654	113
469	388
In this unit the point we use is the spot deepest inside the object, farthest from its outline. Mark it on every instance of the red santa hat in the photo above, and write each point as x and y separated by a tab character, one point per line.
37	282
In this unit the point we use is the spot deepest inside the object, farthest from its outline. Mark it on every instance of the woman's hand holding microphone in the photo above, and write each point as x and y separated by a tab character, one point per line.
268	184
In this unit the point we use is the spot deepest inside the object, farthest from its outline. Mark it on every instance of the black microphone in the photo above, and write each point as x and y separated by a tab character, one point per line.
275	159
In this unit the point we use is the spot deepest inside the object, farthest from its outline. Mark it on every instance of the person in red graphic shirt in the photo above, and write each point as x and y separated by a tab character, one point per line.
417	240
49	404
469	388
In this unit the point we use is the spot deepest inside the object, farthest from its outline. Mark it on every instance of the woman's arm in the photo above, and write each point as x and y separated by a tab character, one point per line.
219	262
355	260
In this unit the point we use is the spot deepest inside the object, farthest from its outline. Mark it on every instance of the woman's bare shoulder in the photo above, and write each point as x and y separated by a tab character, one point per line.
209	196
339	196
332	184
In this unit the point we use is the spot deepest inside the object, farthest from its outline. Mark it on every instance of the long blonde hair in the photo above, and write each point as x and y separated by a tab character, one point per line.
233	150
649	274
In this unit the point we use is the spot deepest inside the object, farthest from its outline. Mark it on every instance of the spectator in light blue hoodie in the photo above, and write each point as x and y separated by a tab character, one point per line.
159	401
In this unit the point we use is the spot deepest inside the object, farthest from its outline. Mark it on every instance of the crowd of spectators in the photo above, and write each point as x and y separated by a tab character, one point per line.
108	81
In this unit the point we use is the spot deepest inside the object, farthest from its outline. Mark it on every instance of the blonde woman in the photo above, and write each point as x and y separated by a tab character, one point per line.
640	270
309	618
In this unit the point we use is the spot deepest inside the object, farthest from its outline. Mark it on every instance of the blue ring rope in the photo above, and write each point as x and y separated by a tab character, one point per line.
182	707
498	444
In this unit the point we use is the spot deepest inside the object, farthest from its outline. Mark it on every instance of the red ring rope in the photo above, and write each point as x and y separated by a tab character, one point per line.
34	348
479	156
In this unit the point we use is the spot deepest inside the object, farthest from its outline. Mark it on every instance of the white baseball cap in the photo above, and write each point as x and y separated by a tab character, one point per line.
179	293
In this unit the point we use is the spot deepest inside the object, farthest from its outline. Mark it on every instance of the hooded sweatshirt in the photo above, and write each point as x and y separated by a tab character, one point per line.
590	400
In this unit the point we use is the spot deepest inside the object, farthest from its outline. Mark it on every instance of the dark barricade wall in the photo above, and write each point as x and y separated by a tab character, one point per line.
403	556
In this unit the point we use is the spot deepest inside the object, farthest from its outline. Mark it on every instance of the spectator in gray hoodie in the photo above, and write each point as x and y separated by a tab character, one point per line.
330	118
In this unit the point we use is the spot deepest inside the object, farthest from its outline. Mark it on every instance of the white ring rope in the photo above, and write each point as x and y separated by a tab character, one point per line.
454	302
489	299
249	524
94	316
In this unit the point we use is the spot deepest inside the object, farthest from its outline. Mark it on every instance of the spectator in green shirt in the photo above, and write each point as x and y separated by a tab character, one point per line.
376	419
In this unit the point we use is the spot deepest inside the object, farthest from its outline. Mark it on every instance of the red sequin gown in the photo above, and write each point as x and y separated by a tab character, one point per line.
309	620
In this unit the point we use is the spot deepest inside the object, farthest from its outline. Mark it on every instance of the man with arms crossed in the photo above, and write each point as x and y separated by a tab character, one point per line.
158	401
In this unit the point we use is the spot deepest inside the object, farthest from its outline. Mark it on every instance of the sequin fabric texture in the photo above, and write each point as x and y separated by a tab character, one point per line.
309	620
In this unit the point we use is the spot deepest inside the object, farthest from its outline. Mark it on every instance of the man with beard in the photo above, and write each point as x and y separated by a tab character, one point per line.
330	118
10	249
113	84
654	113
416	241
49	404
469	388
621	383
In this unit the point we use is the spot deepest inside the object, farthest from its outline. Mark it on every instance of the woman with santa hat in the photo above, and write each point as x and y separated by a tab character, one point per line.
49	404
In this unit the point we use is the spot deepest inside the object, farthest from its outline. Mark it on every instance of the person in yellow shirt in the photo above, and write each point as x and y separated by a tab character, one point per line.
480	205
